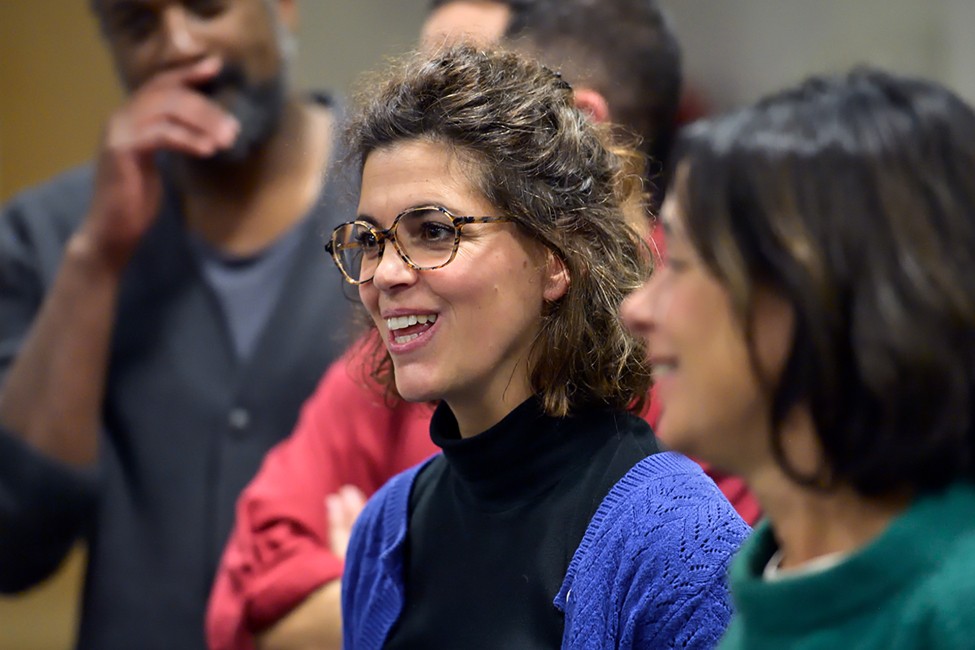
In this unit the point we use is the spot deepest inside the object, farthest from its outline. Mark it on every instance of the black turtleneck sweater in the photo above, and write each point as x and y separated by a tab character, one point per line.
495	520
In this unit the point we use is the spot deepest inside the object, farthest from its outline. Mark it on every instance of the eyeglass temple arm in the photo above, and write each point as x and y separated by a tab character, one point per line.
465	220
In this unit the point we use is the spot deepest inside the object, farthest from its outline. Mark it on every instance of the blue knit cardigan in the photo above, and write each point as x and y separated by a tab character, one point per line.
649	573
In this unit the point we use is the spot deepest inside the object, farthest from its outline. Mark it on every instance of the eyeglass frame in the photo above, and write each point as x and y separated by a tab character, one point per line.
389	234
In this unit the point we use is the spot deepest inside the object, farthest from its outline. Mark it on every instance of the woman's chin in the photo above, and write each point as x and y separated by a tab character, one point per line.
670	432
416	392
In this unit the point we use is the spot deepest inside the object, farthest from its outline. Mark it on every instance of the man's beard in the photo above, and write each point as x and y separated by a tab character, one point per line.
257	106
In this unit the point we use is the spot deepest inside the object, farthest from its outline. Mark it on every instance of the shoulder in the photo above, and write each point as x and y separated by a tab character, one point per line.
950	602
658	550
665	486
35	226
64	197
948	594
668	508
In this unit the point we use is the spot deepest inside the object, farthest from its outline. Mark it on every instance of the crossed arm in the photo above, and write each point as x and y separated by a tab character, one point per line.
278	583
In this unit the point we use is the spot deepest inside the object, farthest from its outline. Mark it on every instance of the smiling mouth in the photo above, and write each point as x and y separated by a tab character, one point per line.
662	367
403	329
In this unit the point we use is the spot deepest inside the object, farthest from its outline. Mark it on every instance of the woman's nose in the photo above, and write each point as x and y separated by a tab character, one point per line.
392	270
637	310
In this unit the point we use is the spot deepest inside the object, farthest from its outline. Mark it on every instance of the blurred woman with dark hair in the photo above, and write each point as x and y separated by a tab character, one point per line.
813	330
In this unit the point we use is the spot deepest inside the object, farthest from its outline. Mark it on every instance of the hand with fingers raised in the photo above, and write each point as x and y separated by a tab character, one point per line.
167	113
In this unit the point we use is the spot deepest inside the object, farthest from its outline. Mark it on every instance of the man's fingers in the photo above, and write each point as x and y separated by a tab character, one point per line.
174	136
198	113
171	96
189	74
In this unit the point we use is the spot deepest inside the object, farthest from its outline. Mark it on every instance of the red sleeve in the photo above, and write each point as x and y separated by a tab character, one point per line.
278	552
733	487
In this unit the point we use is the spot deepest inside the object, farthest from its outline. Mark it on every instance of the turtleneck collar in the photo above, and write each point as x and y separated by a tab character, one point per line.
520	457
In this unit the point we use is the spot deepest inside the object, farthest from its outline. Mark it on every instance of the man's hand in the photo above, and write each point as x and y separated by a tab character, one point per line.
167	113
53	394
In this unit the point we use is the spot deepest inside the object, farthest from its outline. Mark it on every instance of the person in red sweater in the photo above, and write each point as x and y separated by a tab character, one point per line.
278	582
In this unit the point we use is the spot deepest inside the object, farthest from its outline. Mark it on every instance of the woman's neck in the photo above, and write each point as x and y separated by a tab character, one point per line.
807	522
478	417
479	408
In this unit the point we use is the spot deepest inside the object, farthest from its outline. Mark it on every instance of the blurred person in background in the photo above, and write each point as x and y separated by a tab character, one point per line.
622	57
812	332
165	313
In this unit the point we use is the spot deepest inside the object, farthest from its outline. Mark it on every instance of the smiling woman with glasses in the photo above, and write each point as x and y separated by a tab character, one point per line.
551	519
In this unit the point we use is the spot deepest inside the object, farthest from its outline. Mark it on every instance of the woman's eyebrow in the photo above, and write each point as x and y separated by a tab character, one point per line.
372	221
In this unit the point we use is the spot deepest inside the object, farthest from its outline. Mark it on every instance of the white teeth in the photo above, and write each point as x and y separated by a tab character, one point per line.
660	369
399	322
405	339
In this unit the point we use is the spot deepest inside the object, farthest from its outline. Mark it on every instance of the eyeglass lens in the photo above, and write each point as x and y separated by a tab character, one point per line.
425	236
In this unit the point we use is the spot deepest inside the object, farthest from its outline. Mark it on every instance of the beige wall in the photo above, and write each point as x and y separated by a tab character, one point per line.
738	50
338	39
46	617
56	87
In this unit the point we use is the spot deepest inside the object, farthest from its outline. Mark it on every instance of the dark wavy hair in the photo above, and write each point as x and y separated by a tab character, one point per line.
853	198
535	156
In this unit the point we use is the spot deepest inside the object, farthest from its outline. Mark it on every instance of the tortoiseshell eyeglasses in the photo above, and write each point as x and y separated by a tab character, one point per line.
425	238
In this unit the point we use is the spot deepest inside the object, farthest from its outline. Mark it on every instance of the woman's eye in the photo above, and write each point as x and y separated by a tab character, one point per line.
675	264
367	241
434	231
207	8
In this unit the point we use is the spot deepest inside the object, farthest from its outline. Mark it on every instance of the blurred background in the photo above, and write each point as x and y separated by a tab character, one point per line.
57	87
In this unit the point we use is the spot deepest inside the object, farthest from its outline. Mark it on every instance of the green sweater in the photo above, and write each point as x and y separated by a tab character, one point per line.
912	587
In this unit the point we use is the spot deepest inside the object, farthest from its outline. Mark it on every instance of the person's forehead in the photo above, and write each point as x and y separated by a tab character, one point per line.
483	22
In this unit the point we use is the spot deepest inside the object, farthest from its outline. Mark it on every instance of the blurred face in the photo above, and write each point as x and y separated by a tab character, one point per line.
461	333
479	21
150	36
712	403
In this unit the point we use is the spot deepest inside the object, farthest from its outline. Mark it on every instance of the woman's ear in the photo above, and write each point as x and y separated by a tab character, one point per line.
556	278
592	103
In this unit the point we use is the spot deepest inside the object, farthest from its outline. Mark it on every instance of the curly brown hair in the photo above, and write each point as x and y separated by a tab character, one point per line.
573	188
